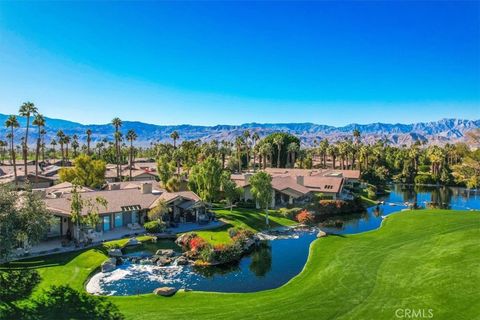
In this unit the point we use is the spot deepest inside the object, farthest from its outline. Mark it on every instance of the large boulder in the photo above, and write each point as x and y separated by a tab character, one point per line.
321	234
163	261
132	242
182	239
165	291
115	253
182	261
165	252
109	265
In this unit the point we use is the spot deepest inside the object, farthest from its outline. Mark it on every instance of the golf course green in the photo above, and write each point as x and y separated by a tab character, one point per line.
425	260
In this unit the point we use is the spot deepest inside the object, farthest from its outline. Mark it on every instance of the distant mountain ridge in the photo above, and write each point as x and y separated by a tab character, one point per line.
435	132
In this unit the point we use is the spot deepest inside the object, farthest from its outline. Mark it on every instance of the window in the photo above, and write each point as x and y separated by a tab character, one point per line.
135	217
106	223
118	220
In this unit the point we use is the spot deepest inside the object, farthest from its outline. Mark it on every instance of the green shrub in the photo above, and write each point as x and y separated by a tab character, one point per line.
154	226
424	179
333	207
289	213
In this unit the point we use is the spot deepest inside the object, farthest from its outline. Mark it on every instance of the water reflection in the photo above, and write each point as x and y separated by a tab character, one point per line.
261	260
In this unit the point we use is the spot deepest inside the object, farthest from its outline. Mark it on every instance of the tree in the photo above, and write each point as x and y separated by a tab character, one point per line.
131	136
238	145
255	138
75	145
16	285
27	109
174	135
205	179
173	184
157	212
165	169
39	121
231	192
117	123
61	141
266	152
53	143
278	141
246	140
12	123
23	219
292	150
261	189
64	303
85	172
468	172
89	140
92	218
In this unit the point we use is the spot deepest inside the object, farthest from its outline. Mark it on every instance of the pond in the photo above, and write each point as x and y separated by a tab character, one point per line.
274	262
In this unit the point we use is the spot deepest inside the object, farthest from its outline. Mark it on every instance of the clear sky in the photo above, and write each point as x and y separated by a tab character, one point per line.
234	62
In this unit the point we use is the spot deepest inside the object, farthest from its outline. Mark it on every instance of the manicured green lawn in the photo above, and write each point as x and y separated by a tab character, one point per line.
427	259
242	218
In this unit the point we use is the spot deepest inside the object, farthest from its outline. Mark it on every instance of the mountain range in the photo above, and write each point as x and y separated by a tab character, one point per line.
435	132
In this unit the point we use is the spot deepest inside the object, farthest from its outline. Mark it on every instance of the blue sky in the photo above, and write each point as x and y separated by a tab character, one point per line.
234	62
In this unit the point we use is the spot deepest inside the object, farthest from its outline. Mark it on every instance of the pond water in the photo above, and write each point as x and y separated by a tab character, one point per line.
274	262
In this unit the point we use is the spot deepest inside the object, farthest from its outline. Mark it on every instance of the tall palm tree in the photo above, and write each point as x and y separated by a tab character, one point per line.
278	141
89	140
322	147
246	138
224	151
356	136
255	138
131	136
174	135
43	133
38	121
12	123
3	144
27	109
53	143
75	145
266	151
66	141
117	123
292	150
239	144
332	152
61	141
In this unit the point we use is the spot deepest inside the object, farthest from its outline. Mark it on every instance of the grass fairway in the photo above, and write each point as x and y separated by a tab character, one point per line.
242	218
417	260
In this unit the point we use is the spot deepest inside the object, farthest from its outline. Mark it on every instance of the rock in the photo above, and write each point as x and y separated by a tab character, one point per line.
165	252
109	265
165	291
182	261
162	261
132	242
115	253
182	239
321	234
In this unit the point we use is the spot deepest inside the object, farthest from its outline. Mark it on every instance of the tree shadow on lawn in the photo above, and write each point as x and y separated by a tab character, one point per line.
255	220
57	259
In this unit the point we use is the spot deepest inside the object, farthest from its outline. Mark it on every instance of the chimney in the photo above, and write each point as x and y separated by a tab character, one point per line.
300	180
247	177
113	186
146	187
40	192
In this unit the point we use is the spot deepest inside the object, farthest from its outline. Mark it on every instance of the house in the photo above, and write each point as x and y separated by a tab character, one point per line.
292	186
35	182
139	174
126	208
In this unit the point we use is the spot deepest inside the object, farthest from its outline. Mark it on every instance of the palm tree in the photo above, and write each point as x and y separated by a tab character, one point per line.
75	145
246	137
66	141
332	152
278	141
239	144
3	144
12	123
39	121
27	109
89	140
292	150
174	135
117	123
255	138
224	151
61	140
131	136
266	151
323	146
43	132
356	136
53	143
